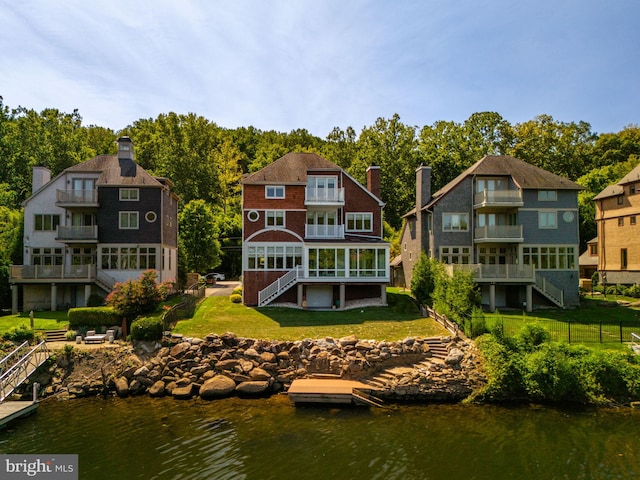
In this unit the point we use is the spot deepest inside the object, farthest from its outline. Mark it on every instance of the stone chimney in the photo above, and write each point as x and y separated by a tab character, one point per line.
125	157
423	186
40	177
373	180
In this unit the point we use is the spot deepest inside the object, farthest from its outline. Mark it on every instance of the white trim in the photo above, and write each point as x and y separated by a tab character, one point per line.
275	188
129	213
346	225
547	212
121	190
275	215
251	214
151	215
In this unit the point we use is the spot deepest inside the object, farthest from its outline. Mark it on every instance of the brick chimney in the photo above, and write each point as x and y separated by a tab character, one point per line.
373	180
40	177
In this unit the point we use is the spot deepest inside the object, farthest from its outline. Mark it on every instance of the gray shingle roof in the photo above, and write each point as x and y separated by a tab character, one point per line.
618	188
111	171
525	175
290	169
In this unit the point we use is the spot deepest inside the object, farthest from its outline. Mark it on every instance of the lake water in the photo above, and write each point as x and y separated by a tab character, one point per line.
143	438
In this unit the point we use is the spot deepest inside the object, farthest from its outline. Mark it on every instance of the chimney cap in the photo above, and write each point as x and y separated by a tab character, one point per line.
125	139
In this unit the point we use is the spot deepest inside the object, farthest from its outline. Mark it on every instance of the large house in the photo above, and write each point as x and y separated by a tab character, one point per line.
312	235
617	215
99	222
515	226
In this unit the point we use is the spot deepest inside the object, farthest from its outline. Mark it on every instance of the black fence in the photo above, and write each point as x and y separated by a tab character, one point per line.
572	331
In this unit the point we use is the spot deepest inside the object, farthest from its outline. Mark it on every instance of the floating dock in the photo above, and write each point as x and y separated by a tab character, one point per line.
332	391
10	411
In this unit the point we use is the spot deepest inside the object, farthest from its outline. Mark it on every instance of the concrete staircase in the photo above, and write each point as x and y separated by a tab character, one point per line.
55	335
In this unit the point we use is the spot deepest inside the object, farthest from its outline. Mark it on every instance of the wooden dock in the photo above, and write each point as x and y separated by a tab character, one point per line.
10	411
332	391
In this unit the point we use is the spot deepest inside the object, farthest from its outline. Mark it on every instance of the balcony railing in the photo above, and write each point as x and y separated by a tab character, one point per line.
324	231
323	196
498	233
497	273
77	197
74	233
53	272
498	198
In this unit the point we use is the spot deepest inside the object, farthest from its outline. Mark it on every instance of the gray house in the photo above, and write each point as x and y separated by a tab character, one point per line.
515	226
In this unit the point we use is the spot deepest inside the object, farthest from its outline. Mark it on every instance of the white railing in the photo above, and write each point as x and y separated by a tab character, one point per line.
77	196
497	198
106	279
29	272
324	231
552	292
78	232
324	195
498	232
281	284
25	363
635	342
497	273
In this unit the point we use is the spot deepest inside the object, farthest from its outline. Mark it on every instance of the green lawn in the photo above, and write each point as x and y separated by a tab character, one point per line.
596	320
41	320
395	322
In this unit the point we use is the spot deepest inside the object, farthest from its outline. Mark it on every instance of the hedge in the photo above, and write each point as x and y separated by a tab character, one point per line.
149	328
93	317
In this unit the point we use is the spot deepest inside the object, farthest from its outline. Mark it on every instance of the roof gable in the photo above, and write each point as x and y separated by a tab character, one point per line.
290	169
112	172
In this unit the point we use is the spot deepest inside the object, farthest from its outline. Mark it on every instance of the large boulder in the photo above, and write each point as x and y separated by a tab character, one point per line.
183	393
122	386
252	388
217	387
157	389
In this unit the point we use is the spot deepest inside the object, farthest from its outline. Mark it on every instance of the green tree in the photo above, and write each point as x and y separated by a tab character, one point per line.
455	296
199	236
137	297
427	272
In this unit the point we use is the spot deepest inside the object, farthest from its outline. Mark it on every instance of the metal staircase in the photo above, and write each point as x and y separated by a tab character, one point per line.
16	367
283	283
549	290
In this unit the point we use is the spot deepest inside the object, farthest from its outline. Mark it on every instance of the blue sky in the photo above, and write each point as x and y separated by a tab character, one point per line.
288	64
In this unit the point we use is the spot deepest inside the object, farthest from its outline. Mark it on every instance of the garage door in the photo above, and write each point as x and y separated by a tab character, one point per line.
319	296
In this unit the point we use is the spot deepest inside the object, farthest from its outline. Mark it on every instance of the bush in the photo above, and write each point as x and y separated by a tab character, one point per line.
137	297
237	290
531	336
19	334
92	317
95	300
71	335
148	328
235	298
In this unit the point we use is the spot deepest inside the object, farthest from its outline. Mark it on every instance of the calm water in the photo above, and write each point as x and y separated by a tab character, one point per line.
144	438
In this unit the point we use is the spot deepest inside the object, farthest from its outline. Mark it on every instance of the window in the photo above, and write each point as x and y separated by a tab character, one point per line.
128	258
128	220
632	220
129	194
620	199
367	262
46	222
491	184
46	256
273	258
547	219
547	195
621	221
623	258
275	218
455	255
550	257
253	215
593	249
632	189
359	222
323	189
453	222
83	256
151	217
274	191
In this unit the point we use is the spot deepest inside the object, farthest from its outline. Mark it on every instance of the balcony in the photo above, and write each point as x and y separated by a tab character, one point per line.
52	272
324	231
84	234
497	199
497	273
77	198
498	234
324	196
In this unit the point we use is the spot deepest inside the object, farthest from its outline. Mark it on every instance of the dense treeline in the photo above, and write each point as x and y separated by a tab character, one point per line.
206	161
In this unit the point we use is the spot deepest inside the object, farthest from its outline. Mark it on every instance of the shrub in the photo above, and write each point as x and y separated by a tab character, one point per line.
19	334
137	297
92	317
95	300
71	335
237	290
235	298
532	335
148	328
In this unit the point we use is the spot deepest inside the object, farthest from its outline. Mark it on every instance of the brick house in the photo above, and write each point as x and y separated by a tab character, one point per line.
99	222
617	216
312	235
515	226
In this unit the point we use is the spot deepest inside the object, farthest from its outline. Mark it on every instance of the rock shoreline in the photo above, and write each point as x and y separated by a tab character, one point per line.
414	369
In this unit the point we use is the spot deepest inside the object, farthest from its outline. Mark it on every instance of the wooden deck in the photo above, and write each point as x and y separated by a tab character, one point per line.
332	391
10	411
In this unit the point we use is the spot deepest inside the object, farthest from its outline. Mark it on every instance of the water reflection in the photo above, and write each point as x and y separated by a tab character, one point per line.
269	438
